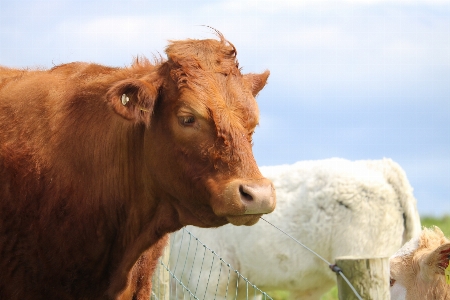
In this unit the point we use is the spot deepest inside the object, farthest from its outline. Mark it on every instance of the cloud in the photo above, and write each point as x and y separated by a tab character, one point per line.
276	6
402	2
350	78
125	31
309	53
116	39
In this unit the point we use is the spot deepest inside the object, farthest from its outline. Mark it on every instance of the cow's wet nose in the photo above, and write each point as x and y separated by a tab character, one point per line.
258	197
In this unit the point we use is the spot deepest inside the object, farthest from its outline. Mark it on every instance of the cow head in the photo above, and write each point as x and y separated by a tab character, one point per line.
417	269
200	113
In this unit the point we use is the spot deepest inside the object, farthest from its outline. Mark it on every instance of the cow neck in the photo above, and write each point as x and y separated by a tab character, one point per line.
114	188
143	217
149	236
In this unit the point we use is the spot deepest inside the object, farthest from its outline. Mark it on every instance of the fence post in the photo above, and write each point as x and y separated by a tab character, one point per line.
161	278
164	274
369	277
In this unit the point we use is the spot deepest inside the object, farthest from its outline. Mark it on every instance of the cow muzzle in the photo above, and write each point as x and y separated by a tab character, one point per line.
254	196
258	198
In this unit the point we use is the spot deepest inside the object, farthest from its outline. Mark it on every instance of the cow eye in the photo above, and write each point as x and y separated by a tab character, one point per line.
392	282
187	120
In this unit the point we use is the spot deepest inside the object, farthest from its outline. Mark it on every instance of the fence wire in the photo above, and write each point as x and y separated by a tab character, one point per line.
176	279
172	282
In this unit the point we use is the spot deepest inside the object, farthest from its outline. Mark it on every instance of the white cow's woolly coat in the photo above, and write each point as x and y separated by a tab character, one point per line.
336	207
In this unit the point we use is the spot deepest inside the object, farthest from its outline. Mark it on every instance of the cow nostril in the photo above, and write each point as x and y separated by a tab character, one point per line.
245	195
254	196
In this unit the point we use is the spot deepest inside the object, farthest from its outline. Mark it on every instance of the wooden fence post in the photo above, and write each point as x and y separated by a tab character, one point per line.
161	278
369	277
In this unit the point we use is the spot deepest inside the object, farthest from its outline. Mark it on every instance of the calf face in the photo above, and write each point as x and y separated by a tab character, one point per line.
417	269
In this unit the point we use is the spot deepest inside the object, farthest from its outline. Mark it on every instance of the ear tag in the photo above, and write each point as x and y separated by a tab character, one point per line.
125	99
447	273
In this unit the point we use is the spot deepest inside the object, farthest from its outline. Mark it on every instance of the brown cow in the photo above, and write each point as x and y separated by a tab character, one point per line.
98	164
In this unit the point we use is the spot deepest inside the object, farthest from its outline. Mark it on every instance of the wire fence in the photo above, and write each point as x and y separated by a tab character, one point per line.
333	267
175	277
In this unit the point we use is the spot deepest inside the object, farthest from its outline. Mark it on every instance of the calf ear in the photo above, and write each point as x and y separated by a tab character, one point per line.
437	261
256	81
134	99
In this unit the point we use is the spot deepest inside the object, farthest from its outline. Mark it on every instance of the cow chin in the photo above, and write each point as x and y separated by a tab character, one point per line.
213	220
213	223
247	220
204	219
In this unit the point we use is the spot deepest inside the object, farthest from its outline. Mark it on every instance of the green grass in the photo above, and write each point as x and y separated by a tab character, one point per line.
279	295
331	295
284	295
443	223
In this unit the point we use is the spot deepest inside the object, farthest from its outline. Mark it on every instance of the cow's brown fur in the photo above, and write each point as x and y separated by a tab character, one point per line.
139	284
88	183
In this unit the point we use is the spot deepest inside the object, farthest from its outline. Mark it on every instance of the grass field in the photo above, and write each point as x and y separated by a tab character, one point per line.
443	223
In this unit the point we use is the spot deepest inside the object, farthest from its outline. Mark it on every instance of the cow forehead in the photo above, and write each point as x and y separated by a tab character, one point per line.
223	99
428	240
208	77
217	56
408	248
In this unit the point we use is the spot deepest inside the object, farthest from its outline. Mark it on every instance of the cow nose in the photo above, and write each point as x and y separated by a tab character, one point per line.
257	197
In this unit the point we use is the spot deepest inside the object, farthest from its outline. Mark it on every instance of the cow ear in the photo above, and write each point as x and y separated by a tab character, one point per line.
438	260
134	99
256	81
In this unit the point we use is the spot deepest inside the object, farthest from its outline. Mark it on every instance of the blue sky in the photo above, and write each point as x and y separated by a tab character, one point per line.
358	79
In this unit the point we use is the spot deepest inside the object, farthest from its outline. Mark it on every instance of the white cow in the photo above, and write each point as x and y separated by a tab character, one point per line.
336	207
417	269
